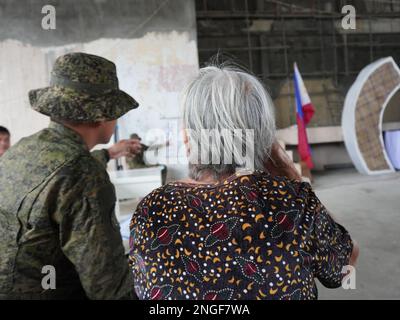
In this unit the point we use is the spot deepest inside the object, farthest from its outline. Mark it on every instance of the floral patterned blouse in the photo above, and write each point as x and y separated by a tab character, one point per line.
253	236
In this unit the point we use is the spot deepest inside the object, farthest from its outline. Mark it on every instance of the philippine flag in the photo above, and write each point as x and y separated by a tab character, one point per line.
304	112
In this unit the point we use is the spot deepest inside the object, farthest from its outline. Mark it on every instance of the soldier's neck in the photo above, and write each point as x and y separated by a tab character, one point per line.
88	133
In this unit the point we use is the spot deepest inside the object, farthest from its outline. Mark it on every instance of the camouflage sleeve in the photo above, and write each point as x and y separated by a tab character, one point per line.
101	155
91	240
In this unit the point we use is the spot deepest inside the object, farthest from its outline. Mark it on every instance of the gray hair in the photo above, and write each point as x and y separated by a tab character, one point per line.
224	100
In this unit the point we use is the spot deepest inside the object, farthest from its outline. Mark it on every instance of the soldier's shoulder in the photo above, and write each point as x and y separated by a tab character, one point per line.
82	177
85	167
44	144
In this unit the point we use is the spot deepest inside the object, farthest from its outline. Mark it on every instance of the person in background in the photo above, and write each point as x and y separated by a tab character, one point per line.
4	140
137	161
228	231
56	199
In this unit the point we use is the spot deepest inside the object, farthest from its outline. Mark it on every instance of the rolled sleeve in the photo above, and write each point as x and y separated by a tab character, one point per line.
102	156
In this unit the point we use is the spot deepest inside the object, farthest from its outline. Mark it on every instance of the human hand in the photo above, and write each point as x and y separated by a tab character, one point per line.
124	148
279	163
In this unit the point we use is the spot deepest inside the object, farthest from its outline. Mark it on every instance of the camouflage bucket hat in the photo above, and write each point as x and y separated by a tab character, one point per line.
83	88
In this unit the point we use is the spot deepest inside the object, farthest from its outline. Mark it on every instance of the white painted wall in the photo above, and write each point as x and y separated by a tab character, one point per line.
153	69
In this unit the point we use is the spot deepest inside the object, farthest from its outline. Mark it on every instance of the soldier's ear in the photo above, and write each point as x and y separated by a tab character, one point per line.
77	124
91	125
96	124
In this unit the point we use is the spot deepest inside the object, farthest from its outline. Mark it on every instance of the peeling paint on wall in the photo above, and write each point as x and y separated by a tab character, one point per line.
153	69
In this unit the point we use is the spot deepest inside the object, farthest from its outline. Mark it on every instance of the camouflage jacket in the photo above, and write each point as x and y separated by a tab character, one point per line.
57	208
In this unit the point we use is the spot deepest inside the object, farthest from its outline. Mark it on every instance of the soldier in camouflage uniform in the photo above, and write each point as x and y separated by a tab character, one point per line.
136	161
56	199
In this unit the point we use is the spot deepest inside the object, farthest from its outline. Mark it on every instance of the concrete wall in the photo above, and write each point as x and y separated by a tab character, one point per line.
152	42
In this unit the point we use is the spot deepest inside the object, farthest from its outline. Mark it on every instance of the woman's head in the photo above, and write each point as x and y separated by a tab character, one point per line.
227	113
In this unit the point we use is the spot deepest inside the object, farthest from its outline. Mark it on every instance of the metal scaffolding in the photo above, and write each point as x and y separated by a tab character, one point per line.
298	28
268	36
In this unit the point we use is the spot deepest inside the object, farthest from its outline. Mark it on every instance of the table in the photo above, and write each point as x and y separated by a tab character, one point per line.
133	184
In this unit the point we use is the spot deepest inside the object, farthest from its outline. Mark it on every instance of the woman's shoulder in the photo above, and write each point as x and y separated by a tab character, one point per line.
246	182
268	182
255	179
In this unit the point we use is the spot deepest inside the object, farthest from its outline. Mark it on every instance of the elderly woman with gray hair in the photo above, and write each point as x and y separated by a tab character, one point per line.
243	225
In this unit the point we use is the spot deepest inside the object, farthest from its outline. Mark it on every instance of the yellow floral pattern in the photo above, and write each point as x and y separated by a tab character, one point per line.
252	236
